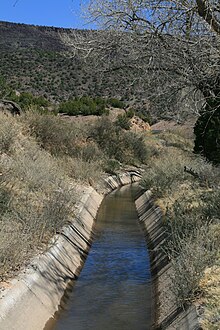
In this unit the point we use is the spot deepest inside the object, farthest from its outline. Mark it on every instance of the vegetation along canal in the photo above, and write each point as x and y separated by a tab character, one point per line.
114	289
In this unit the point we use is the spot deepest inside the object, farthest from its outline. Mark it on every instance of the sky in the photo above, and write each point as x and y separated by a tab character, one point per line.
60	13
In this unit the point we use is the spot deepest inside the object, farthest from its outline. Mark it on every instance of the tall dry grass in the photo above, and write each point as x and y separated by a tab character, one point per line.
192	219
36	195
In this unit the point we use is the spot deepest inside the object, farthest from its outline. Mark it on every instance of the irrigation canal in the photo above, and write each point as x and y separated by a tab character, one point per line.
113	291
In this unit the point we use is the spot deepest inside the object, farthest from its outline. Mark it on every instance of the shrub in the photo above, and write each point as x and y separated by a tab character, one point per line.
84	106
192	246
123	121
13	244
8	133
81	170
108	137
112	166
115	103
58	136
207	132
126	147
196	253
130	113
4	199
4	88
165	171
57	210
134	144
28	100
36	199
90	152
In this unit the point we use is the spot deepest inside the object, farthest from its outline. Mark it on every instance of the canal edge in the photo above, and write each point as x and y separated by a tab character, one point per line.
166	316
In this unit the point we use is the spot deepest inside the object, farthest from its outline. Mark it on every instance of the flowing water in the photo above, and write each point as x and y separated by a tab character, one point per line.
113	291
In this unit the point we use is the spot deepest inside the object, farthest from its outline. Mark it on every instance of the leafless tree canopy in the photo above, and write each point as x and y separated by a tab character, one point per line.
166	49
157	16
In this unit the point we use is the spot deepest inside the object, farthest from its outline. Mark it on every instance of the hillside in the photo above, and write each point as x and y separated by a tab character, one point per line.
15	36
38	60
34	59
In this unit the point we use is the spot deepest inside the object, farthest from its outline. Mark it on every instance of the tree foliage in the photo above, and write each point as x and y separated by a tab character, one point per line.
207	132
84	105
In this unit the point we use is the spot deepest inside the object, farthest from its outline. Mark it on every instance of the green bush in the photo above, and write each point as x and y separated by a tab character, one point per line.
112	166
130	113
84	105
28	100
108	137
115	103
145	116
4	88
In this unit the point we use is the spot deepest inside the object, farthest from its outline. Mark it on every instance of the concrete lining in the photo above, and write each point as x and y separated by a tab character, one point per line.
167	315
35	295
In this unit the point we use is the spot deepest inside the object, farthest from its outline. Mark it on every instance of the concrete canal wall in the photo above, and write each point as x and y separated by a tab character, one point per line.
167	315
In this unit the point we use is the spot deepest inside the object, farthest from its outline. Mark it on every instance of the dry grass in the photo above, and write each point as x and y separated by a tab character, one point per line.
8	133
210	285
56	135
192	214
82	171
36	196
166	171
176	139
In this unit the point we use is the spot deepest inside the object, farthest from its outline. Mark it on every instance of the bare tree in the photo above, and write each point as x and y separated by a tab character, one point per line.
157	16
164	50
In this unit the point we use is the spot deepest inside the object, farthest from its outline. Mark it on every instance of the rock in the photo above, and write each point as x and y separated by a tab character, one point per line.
138	125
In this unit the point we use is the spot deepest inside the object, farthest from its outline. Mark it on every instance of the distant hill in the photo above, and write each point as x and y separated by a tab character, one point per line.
37	60
14	36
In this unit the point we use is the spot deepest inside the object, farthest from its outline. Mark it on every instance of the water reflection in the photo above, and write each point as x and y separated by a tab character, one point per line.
113	291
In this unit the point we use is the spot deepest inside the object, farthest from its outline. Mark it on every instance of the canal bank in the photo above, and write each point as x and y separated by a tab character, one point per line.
167	315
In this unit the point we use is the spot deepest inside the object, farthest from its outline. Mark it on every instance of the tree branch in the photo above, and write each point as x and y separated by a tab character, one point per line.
207	14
